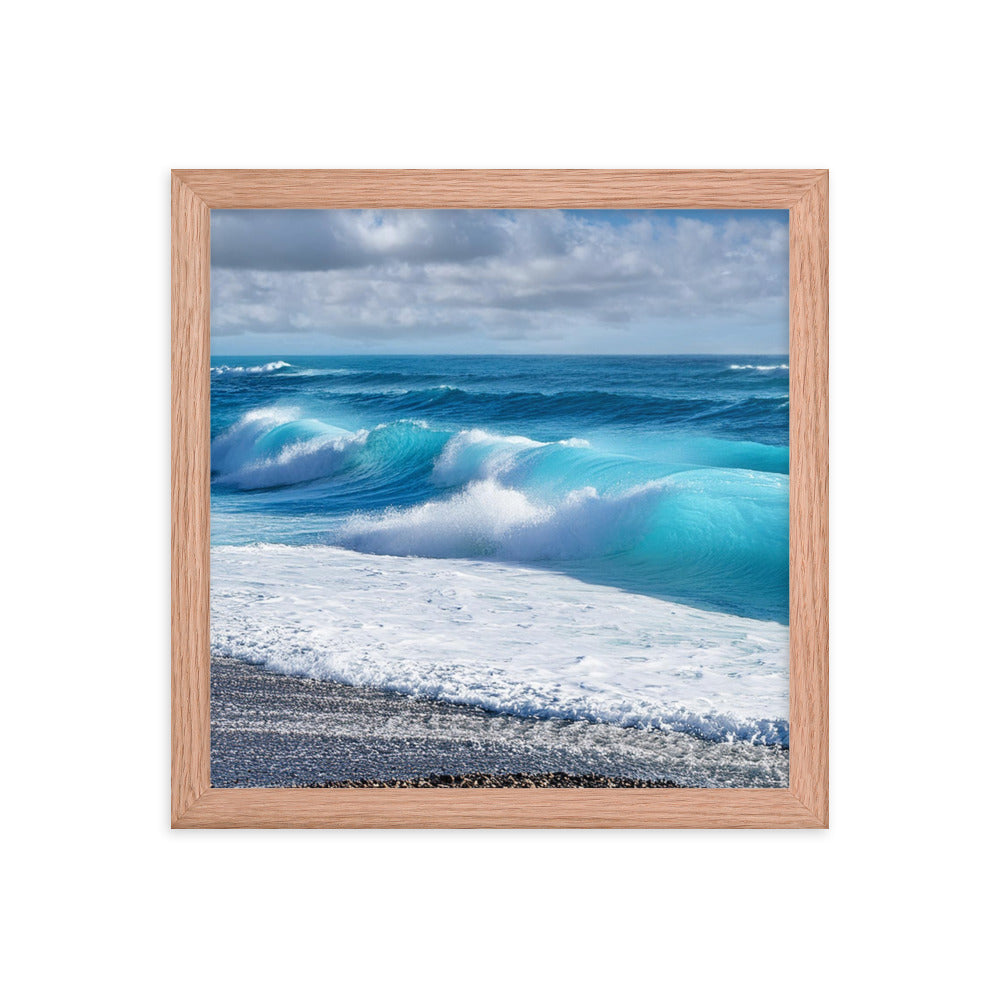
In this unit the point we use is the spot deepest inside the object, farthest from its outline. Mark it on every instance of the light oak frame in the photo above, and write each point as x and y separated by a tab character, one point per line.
805	803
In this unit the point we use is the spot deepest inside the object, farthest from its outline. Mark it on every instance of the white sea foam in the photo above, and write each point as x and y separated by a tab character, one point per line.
477	454
510	639
272	447
271	366
759	368
490	520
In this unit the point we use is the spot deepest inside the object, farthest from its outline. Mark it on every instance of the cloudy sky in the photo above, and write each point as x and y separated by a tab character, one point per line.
492	282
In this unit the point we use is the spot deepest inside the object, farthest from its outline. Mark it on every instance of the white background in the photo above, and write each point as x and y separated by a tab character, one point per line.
101	101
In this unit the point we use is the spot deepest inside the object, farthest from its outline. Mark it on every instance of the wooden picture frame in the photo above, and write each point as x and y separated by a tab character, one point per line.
804	803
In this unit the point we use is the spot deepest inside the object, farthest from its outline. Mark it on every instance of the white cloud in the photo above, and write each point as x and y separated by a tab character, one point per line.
350	277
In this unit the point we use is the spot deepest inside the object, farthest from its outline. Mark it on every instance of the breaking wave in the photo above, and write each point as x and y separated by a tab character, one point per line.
271	366
405	488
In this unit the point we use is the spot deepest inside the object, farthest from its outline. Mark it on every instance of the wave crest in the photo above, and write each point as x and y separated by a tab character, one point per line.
273	447
407	489
265	369
475	454
492	521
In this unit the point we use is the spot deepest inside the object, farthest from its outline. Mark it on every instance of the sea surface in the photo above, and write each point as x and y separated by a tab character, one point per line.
587	537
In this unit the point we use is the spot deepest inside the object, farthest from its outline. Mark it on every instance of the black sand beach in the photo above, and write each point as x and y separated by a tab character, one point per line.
270	730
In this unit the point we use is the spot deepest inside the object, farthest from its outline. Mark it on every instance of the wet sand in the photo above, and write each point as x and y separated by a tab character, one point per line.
270	731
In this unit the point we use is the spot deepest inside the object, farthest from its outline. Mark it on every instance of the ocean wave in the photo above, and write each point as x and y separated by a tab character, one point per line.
761	412
266	369
360	377
686	536
477	454
758	368
406	488
274	447
487	520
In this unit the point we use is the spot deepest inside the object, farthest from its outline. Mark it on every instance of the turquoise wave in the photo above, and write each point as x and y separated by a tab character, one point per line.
712	532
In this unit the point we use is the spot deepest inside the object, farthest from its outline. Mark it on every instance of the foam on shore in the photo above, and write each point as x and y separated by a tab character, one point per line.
511	639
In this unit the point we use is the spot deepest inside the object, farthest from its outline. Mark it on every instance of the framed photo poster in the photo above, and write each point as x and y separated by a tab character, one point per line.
499	498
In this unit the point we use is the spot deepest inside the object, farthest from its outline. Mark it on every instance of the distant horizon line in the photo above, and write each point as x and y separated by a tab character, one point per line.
532	354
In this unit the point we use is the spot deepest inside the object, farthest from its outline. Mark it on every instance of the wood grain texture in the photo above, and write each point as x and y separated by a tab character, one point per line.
805	804
189	485
809	517
499	188
499	808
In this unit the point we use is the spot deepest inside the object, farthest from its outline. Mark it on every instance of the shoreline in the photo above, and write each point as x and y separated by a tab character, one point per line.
271	730
525	640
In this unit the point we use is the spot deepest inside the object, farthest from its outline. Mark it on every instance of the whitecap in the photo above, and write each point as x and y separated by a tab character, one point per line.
271	366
